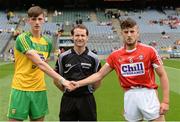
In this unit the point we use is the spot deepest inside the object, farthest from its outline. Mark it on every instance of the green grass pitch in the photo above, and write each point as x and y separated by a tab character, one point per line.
109	96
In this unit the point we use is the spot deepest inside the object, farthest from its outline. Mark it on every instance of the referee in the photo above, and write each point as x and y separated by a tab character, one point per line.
76	64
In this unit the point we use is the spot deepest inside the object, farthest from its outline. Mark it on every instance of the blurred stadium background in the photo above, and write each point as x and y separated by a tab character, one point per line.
159	22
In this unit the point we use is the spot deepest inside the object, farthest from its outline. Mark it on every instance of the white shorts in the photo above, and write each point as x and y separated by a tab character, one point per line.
141	104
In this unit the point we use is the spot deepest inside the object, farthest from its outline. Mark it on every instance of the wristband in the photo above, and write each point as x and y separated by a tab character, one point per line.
62	80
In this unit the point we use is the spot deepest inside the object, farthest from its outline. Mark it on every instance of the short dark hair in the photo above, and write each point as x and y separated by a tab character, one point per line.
128	23
35	11
81	26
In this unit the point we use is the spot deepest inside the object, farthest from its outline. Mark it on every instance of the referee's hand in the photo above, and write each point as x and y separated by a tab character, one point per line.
73	85
69	86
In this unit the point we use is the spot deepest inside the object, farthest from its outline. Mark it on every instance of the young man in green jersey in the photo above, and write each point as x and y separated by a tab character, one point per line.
28	95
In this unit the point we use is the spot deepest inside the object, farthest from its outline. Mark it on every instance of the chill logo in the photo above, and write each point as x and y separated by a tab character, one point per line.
132	69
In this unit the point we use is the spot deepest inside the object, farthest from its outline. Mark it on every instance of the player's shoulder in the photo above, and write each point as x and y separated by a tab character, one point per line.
117	51
23	37
146	47
46	38
24	34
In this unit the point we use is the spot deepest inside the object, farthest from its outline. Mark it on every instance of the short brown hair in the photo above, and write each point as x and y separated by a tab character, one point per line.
81	26
35	11
128	23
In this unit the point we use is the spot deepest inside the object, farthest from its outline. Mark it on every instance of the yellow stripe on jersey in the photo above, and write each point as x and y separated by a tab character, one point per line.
26	46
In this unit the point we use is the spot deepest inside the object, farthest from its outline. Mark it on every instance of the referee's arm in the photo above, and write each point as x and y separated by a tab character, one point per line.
97	84
58	85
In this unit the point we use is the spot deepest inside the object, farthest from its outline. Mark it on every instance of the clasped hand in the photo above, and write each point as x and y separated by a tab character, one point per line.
71	85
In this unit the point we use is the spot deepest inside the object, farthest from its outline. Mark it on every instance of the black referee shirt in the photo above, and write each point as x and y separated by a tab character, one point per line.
75	67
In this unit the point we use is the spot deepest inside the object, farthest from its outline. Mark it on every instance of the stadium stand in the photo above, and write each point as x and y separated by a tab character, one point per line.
158	28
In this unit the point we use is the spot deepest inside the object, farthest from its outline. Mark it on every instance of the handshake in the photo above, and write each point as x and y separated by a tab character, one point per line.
69	85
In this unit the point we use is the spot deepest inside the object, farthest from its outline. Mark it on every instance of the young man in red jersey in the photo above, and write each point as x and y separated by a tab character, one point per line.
135	64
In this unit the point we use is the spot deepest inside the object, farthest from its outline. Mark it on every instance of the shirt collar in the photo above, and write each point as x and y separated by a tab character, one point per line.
85	52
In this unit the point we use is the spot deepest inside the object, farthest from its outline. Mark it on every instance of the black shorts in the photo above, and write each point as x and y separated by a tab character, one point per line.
74	108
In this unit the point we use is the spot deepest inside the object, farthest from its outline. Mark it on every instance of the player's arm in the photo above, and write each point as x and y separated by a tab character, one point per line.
159	68
95	77
59	86
165	88
96	85
47	60
34	57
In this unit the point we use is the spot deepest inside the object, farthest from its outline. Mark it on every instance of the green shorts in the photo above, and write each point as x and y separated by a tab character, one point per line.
27	103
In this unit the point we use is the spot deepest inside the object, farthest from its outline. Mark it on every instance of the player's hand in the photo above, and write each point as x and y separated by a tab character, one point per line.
164	107
68	85
73	85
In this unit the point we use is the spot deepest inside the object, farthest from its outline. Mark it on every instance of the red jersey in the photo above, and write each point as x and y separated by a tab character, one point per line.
135	67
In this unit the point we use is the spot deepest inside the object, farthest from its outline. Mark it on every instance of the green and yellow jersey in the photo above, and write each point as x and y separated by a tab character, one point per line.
28	77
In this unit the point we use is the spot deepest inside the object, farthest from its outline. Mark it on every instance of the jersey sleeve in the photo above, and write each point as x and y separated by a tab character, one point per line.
109	60
99	66
60	65
23	43
155	58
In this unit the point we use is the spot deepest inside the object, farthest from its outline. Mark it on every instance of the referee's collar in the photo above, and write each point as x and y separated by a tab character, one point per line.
85	52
